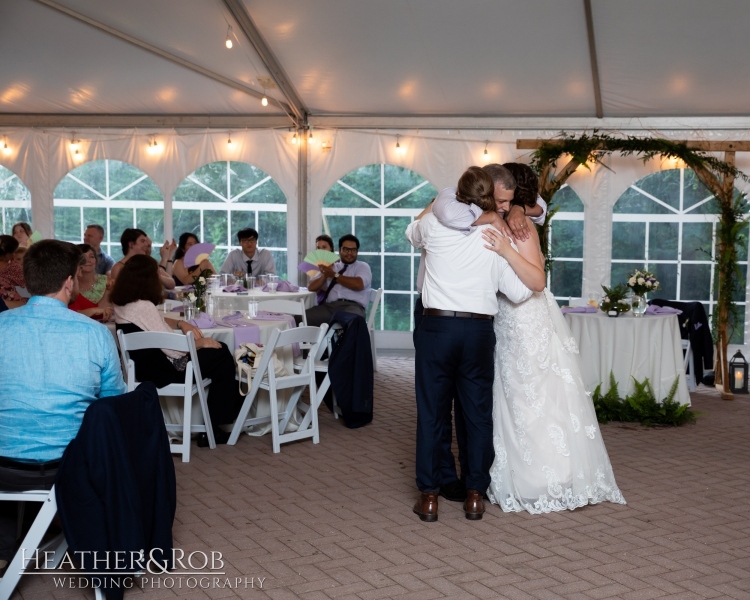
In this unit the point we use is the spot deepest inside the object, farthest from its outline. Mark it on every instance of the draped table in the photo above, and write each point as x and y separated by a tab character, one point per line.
228	302
630	347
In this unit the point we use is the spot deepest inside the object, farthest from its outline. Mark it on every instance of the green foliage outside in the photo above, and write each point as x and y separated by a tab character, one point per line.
641	406
15	201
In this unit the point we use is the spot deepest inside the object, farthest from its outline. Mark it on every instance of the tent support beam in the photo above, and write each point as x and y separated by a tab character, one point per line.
740	146
159	52
82	121
252	33
594	60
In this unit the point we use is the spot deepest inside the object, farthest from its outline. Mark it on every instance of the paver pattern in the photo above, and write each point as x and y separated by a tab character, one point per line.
334	520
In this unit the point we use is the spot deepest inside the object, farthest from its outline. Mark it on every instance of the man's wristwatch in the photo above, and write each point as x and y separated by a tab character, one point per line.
337	275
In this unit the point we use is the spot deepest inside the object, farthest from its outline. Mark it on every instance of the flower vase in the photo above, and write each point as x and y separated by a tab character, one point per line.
200	303
639	305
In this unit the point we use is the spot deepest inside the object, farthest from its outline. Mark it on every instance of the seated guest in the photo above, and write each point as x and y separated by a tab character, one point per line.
324	242
250	260
22	232
58	364
136	293
346	283
94	236
180	274
11	273
135	242
92	297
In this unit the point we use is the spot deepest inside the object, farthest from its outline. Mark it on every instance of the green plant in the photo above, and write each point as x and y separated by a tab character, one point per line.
614	299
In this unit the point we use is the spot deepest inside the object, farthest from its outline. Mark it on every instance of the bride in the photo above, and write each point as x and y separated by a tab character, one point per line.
549	452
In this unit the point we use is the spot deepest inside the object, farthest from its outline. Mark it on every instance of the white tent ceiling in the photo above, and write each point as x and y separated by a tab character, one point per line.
486	58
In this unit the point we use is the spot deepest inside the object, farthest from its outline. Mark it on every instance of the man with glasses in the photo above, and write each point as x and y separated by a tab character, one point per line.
346	284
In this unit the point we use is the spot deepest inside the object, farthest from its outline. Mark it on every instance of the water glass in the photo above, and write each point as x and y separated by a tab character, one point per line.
272	285
252	308
188	309
250	283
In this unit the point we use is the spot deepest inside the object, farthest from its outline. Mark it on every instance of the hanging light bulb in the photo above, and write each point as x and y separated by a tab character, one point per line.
230	143
77	156
264	102
6	149
486	152
229	43
74	143
399	149
310	139
294	138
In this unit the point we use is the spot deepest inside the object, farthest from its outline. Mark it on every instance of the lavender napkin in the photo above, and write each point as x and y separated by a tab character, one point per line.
578	309
283	286
203	321
662	310
234	288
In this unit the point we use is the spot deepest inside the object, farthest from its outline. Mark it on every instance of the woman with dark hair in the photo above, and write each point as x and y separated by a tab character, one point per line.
22	232
93	298
324	242
11	273
135	295
181	274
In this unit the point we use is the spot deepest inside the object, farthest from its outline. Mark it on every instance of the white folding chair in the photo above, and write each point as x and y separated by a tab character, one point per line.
375	296
194	383
266	379
287	307
56	547
320	365
689	365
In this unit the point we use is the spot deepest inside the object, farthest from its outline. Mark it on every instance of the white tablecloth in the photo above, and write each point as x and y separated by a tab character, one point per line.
628	346
227	302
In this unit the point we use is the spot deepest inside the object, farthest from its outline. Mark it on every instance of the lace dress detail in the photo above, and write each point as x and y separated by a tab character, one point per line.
549	455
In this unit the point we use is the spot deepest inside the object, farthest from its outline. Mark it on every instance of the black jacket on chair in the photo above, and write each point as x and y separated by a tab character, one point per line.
116	487
694	327
350	370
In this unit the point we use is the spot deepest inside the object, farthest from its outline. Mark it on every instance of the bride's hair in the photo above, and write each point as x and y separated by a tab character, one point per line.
475	187
527	184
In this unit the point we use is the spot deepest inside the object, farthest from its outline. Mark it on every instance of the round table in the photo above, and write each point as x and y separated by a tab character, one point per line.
229	302
630	347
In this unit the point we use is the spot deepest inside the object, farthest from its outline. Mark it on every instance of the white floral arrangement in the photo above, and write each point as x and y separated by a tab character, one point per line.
642	282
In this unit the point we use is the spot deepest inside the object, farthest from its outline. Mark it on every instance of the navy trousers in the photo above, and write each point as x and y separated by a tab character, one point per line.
454	355
448	472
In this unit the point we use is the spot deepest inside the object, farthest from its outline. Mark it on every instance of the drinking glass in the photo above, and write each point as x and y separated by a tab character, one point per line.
252	308
188	308
272	285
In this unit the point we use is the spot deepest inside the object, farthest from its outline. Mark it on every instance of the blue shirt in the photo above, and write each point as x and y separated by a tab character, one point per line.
54	362
104	263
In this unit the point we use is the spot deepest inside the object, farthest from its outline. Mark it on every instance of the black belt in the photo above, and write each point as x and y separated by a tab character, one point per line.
436	312
9	463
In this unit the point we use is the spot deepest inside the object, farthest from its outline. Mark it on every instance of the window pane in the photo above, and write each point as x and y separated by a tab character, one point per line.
664	185
566	278
737	326
367	230
340	197
272	229
694	191
186	221
667	277
566	200
365	180
628	241
395	240
212	176
567	239
266	193
280	259
696	241
120	219
695	282
620	271
241	219
397	273
243	176
633	202
374	262
416	269
662	241
397	312
215	227
339	225
93	174
739	295
67	223
152	222
97	216
742	242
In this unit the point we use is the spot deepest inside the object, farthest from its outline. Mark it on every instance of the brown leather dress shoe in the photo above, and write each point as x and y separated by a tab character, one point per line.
427	506
473	505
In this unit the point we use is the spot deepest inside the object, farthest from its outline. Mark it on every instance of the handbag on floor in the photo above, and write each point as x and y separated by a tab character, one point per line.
248	358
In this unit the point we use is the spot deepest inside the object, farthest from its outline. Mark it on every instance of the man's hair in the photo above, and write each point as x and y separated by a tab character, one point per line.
248	233
325	238
8	245
475	186
130	236
501	176
184	239
138	280
48	264
527	184
96	226
348	238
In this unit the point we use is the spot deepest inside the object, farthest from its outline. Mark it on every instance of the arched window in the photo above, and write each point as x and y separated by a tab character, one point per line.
221	198
376	203
565	276
113	194
15	200
666	222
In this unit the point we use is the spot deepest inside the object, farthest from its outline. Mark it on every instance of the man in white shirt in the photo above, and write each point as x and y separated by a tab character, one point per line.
250	259
512	199
455	345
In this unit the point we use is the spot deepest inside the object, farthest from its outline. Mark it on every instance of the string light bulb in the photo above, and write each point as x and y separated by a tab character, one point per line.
77	156
294	138
153	146
74	143
399	149
486	152
264	101
230	143
6	149
310	139
228	43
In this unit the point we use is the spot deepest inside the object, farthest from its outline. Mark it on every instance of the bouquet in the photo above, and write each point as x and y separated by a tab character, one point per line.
200	284
614	299
642	282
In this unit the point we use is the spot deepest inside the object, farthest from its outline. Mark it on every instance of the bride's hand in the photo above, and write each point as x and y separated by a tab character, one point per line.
497	242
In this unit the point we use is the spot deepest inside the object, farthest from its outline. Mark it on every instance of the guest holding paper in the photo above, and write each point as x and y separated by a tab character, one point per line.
250	260
11	273
135	295
184	275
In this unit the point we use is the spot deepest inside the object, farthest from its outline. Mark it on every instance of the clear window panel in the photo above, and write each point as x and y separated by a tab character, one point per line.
566	278
97	216
280	259
737	326
739	295
218	256
620	271
664	185
628	241
120	219
694	191
566	200
244	176
397	273
93	174
368	233
215	227
663	239
11	216
67	223
696	241
241	219
212	176
266	193
742	243
667	276
398	309
416	270
633	202
695	283
366	180
395	240
374	262
567	239
272	229
338	226
152	222
186	221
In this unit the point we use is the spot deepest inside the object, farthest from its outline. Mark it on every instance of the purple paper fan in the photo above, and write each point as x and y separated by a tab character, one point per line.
197	254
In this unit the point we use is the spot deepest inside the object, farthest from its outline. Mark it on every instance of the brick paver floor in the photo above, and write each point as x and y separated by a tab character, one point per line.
334	520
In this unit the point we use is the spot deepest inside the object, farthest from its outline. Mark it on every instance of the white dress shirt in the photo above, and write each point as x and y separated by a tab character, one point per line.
263	263
460	273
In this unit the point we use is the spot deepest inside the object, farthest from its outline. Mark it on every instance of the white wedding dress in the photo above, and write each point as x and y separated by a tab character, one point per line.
549	453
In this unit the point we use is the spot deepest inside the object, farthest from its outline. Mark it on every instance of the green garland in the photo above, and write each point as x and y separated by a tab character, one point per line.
641	406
